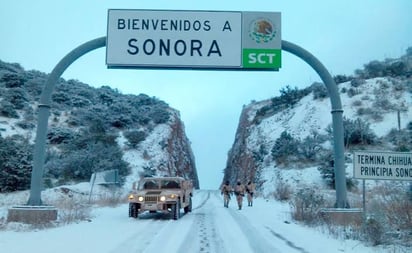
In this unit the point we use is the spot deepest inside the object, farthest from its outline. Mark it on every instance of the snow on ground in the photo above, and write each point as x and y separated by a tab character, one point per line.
265	227
303	177
8	127
210	227
368	95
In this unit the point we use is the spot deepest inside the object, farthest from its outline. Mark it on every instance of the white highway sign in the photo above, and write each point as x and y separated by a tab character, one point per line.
193	39
382	165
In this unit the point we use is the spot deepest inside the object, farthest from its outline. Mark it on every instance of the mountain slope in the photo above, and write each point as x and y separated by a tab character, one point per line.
90	130
376	101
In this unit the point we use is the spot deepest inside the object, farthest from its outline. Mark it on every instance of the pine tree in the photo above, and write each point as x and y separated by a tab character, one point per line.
286	145
15	164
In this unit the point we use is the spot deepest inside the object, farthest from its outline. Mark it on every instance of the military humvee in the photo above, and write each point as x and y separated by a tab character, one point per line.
161	194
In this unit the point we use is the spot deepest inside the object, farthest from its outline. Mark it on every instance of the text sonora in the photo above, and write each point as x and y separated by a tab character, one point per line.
167	47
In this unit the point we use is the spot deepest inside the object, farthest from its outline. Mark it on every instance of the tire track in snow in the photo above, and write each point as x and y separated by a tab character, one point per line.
255	239
148	226
138	241
289	243
203	202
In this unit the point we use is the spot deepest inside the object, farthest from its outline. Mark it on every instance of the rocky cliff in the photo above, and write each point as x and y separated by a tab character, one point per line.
242	162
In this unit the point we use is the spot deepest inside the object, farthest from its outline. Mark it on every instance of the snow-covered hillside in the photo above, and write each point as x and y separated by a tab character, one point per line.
82	127
309	115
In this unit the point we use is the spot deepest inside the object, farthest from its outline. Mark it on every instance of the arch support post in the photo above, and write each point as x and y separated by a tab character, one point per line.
337	121
44	113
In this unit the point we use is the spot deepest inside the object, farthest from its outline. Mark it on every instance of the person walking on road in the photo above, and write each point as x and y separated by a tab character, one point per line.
250	190
226	190
240	193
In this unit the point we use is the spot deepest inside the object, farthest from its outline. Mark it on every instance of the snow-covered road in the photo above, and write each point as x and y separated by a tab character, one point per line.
209	228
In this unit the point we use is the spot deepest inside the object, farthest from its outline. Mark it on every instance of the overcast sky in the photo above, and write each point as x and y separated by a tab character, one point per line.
343	35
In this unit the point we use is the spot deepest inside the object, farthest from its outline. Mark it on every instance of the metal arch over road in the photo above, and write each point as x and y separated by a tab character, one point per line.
45	104
337	121
44	113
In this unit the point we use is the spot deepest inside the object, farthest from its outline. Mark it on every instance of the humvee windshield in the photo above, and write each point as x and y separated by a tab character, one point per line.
150	185
169	184
164	184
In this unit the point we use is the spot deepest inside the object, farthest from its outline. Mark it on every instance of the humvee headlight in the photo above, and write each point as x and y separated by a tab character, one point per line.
131	197
173	196
162	198
140	198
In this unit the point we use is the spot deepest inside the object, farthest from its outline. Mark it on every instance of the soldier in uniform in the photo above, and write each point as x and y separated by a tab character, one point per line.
226	190
240	193
250	190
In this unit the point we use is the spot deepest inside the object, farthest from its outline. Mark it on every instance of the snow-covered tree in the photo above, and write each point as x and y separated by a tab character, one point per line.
15	163
286	146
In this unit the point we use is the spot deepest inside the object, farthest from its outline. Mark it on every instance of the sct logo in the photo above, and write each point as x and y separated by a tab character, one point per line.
261	58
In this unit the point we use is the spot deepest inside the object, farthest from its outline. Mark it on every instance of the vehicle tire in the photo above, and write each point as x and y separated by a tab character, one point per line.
133	210
176	211
188	208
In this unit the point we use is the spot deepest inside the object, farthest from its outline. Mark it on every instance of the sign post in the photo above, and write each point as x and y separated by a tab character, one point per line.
377	165
193	39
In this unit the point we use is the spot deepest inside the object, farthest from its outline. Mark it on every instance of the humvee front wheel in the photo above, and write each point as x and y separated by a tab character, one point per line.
133	210
188	208
176	211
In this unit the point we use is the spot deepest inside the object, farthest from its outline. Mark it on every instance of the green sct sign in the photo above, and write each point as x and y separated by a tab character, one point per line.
261	58
193	39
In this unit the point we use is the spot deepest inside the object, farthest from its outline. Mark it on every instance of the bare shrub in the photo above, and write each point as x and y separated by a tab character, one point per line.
306	205
364	111
353	92
398	87
112	198
357	103
372	113
396	206
373	231
357	82
377	116
392	210
72	210
72	206
283	190
2	223
343	232
384	104
366	97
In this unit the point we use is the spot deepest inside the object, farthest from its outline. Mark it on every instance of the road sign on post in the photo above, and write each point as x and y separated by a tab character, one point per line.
193	39
382	165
